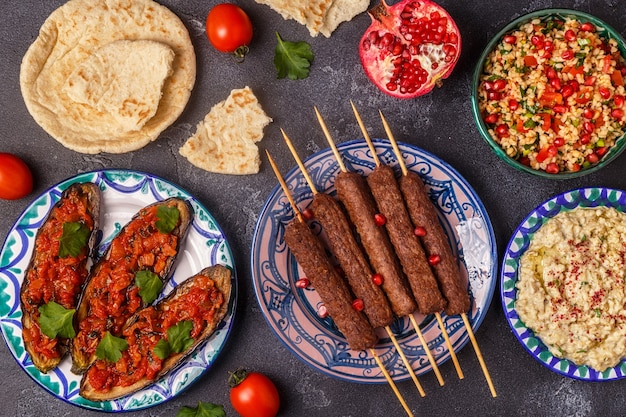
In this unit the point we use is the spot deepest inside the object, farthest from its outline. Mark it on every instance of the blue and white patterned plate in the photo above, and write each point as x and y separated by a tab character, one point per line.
583	197
123	194
292	312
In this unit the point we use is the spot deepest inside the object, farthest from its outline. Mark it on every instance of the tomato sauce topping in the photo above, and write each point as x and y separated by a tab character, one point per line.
113	297
198	303
52	278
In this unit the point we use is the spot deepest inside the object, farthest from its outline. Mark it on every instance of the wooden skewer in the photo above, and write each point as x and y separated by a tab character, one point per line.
405	361
418	331
296	210
468	327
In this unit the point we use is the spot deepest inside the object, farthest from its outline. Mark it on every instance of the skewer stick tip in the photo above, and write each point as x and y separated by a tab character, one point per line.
394	144
366	135
283	185
479	355
330	140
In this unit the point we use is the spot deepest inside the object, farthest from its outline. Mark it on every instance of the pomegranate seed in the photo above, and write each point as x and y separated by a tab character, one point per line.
605	93
588	113
592	158
567	91
537	41
492	118
570	35
618	100
560	108
617	113
499	84
552	150
488	85
303	283
585	139
588	27
494	95
552	168
556	83
558	142
378	279
358	304
434	259
524	160
419	231
322	312
548	46
551	73
567	54
502	130
513	104
601	151
574	84
510	39
589	80
380	219
588	126
308	214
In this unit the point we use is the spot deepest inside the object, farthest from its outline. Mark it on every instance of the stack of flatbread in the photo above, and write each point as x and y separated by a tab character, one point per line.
225	141
109	75
319	16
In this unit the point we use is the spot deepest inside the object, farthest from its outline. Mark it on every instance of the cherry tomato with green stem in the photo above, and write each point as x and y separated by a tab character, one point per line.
229	29
252	394
16	180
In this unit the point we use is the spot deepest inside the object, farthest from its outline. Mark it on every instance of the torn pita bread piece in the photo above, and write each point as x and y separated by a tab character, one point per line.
108	76
319	16
225	141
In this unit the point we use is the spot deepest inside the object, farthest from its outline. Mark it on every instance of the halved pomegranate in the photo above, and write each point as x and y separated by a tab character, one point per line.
410	47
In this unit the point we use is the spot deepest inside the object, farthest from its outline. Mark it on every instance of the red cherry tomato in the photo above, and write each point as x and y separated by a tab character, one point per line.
253	394
16	180
229	29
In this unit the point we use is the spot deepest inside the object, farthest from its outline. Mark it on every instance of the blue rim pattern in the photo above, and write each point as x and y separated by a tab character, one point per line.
520	240
291	312
123	192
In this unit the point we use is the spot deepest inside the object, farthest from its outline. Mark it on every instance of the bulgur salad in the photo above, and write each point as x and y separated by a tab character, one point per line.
552	94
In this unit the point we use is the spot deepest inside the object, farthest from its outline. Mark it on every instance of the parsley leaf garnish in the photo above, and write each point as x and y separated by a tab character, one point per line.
55	320
292	59
111	347
178	340
73	240
167	218
149	285
202	410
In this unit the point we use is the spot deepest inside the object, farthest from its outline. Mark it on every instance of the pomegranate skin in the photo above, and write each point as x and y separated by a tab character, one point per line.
410	47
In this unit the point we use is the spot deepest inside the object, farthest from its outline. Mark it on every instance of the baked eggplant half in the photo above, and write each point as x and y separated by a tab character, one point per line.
56	273
158	338
129	275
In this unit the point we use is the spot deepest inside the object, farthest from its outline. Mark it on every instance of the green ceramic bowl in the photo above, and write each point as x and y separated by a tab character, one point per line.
605	30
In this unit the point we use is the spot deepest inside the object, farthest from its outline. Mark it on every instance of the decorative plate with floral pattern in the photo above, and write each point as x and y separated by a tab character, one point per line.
123	194
292	313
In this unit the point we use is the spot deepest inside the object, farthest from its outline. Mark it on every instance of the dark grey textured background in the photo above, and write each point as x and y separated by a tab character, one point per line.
440	122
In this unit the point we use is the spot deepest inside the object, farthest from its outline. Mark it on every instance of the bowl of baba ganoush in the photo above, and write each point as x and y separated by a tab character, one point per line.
563	283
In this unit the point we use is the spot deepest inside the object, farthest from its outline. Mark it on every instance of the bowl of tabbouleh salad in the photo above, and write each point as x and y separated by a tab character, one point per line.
549	96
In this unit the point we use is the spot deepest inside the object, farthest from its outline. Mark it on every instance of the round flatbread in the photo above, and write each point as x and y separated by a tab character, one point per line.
75	76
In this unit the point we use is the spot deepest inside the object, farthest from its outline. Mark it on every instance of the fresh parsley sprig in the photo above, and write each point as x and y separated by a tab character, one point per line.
111	347
167	218
202	410
56	320
292	59
73	239
149	284
178	340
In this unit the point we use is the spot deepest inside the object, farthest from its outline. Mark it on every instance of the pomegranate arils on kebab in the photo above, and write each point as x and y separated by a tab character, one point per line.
409	47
